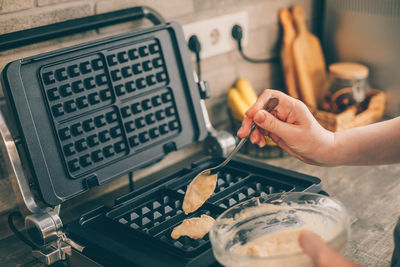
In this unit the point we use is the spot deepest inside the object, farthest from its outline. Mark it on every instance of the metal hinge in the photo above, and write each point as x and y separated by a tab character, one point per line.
44	225
218	143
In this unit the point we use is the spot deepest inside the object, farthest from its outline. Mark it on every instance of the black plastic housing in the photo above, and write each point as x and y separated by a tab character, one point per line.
93	112
136	231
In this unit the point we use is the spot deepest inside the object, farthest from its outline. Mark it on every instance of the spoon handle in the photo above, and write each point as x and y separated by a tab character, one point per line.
272	102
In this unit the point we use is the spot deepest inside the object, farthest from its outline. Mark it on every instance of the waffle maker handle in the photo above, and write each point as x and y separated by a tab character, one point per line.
43	33
44	226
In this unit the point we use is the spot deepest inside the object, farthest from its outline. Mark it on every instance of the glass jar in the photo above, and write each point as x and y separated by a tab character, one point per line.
347	85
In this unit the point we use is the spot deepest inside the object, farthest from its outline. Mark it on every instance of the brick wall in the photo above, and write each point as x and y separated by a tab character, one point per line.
221	71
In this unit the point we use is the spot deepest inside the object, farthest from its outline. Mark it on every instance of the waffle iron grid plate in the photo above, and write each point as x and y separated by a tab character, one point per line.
90	113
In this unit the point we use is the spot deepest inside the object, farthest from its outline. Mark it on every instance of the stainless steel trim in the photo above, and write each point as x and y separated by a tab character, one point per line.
44	228
52	253
17	167
209	126
44	225
72	243
218	142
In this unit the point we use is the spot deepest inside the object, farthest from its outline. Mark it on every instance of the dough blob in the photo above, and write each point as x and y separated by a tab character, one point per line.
196	227
198	191
276	244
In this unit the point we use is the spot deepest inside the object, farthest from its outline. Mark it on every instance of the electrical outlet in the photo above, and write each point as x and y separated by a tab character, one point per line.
215	34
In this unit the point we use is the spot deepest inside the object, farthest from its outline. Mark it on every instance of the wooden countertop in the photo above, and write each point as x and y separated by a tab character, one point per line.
371	195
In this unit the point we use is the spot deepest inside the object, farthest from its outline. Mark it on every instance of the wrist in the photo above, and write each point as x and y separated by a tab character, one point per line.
338	155
327	152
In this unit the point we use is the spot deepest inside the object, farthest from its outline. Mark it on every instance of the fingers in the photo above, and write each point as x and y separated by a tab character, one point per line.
261	101
271	124
282	111
315	248
280	122
263	132
285	107
262	142
254	137
268	124
244	130
274	138
321	254
258	138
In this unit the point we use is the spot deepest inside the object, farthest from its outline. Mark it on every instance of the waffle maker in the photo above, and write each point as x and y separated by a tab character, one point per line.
90	113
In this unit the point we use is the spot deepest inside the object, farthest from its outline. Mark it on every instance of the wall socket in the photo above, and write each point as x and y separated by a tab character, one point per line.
215	33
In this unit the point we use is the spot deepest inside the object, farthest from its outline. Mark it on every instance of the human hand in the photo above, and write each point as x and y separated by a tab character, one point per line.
321	254
291	126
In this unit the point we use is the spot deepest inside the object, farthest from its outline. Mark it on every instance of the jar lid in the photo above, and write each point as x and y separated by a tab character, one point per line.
349	70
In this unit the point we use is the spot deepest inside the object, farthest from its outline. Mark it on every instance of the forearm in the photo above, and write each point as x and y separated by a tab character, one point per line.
374	144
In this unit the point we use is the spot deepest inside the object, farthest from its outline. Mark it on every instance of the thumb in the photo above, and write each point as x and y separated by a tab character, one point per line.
321	254
313	245
270	123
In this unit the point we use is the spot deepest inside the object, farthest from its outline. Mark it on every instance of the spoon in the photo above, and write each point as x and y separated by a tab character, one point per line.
271	104
203	185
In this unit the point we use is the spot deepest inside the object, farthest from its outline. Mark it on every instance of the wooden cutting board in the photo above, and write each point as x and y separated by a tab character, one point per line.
309	61
289	35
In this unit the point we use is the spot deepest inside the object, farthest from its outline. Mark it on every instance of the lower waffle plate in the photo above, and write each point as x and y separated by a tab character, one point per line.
153	216
150	214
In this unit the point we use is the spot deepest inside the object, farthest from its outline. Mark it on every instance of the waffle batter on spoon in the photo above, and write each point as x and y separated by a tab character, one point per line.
198	191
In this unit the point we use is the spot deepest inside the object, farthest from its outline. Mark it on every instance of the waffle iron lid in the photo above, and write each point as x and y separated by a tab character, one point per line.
90	113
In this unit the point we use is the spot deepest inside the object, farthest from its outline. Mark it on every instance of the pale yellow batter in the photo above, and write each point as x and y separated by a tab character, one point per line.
198	191
195	228
275	244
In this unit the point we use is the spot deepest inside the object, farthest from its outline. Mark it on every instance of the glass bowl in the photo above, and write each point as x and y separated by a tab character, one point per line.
273	214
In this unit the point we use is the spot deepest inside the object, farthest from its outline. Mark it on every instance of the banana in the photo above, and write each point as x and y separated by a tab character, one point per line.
240	99
270	142
236	104
246	91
